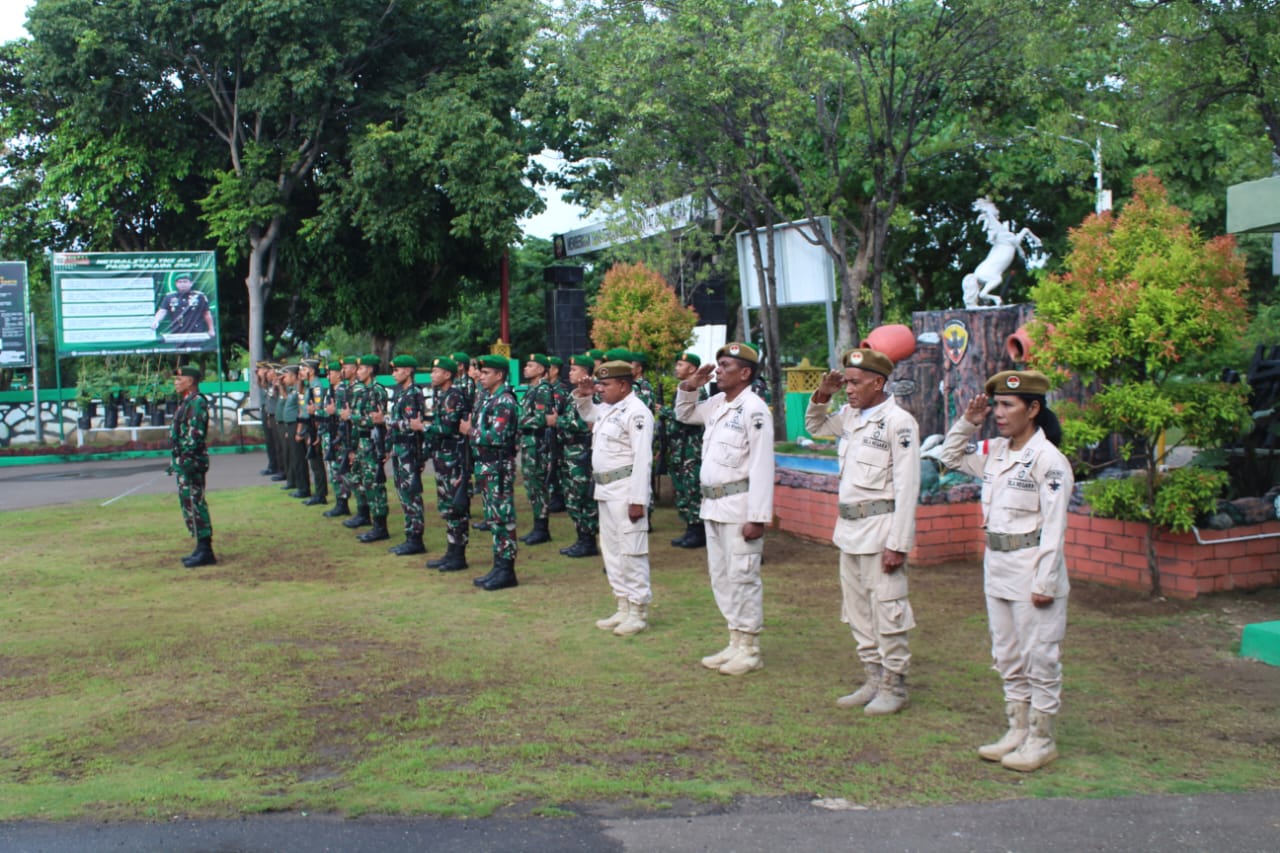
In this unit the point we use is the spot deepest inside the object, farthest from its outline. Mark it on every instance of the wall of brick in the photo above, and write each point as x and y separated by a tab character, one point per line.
1100	550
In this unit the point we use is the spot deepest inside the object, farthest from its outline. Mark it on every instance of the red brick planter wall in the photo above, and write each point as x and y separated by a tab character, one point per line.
1100	550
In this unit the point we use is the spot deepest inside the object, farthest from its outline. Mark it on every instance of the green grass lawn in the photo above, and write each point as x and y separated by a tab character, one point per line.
307	671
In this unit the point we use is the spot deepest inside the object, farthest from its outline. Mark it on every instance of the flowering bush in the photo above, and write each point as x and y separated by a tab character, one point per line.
637	309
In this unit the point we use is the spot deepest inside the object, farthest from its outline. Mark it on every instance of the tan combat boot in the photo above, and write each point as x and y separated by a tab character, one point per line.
891	697
1013	738
746	658
611	622
867	691
717	660
636	621
1039	747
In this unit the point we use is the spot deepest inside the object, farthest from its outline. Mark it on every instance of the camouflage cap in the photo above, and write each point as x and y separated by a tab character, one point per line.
868	359
1031	382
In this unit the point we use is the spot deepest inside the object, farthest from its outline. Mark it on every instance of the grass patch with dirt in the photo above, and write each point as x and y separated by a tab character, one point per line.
307	671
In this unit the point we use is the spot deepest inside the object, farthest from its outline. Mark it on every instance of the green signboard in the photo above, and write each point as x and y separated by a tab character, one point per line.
109	303
15	337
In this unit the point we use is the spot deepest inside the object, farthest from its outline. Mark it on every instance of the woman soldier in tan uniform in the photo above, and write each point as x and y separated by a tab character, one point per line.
1026	487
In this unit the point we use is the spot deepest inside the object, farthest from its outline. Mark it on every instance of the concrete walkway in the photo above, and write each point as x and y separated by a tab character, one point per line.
1241	823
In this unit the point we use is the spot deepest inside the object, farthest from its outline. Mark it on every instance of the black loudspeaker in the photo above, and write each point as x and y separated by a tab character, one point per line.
566	322
561	276
708	301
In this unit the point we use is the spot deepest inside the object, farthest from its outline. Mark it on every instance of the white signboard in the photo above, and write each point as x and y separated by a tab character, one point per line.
802	267
621	229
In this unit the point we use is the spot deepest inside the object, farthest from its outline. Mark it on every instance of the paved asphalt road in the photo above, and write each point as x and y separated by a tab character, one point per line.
1217	823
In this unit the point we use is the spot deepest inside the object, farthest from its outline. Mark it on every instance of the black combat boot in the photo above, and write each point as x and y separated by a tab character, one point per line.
455	559
316	500
378	532
360	519
340	507
440	561
504	576
539	534
488	576
277	476
202	556
412	544
556	504
584	547
300	494
695	536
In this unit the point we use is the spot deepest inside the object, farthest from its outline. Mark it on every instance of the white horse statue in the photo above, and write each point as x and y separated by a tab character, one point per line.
1005	242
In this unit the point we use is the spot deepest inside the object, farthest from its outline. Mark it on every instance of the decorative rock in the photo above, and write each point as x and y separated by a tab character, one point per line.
1251	510
1220	521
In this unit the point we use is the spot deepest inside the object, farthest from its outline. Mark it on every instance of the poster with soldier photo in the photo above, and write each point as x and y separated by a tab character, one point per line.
14	315
109	303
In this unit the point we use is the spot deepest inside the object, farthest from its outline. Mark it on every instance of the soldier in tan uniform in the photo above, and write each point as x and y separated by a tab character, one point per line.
1026	489
621	460
879	488
737	496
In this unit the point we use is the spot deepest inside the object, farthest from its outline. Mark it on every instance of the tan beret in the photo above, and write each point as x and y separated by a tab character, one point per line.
868	359
1018	382
614	370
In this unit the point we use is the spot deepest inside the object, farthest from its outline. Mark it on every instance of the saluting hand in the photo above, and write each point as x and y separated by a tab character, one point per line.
976	413
700	377
832	382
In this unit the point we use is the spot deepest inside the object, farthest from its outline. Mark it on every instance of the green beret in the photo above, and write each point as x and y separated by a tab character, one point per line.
445	363
690	357
596	354
614	370
370	360
583	361
1031	382
640	357
556	361
405	361
334	366
495	362
617	354
741	351
865	358
460	357
190	370
539	358
351	359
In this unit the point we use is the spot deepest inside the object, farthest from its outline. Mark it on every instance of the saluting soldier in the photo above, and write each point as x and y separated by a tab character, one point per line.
190	454
295	465
879	489
621	460
575	464
1026	489
737	496
684	459
313	409
451	461
340	398
406	450
537	413
369	452
493	430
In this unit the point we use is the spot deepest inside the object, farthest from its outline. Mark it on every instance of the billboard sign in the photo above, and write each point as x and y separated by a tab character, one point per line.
109	303
15	302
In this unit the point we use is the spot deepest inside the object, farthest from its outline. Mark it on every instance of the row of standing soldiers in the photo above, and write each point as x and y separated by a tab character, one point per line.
470	426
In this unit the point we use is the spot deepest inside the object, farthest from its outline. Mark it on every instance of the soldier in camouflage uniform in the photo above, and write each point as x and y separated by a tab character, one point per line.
191	461
684	460
262	373
560	393
492	431
462	378
369	479
451	461
341	395
537	413
406	450
335	396
575	465
312	417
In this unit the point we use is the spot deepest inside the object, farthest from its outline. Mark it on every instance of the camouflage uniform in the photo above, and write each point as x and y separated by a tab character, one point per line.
369	479
336	445
191	461
449	458
406	456
313	448
575	476
494	428
535	450
684	459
